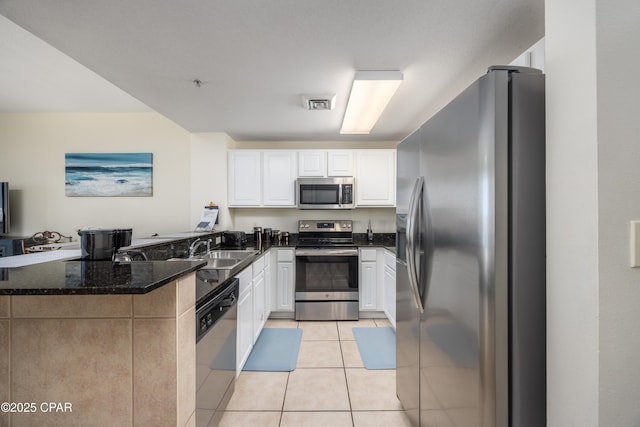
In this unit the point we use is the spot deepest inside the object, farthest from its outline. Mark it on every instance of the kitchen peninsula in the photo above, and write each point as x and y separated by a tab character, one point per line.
106	343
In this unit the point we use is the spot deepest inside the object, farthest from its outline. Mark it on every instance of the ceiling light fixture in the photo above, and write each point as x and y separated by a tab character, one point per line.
370	94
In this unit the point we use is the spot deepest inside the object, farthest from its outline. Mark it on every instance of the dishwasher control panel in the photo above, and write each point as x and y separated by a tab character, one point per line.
215	308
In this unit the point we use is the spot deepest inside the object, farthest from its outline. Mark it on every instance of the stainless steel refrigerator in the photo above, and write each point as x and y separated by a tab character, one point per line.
471	258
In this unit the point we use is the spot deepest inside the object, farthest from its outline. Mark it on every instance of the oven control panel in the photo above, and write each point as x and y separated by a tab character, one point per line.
325	226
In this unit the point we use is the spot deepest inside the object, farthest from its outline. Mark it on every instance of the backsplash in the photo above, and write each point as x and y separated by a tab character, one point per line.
286	219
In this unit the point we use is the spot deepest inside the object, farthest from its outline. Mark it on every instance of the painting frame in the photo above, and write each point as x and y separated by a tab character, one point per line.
109	174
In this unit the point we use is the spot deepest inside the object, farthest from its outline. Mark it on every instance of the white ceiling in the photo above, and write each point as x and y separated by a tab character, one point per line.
255	57
36	77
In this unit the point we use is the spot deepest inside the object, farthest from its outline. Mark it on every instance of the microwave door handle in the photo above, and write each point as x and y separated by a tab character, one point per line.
340	195
412	227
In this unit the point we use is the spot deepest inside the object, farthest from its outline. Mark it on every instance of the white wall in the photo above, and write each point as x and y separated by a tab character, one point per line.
189	171
209	176
532	57
572	220
618	91
32	160
593	185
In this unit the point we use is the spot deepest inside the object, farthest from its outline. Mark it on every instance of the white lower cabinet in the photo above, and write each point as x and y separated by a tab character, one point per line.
370	282
389	301
255	302
285	280
245	319
259	296
258	305
268	280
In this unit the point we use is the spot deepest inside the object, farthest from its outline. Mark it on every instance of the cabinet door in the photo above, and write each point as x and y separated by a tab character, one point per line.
390	294
340	163
285	286
267	291
375	177
258	306
244	277
368	286
244	178
278	182
312	163
245	330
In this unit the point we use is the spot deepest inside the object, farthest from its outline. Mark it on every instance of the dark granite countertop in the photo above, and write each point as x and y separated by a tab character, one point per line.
106	277
92	277
379	240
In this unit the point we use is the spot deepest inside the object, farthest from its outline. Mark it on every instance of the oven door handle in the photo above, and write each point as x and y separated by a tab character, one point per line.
327	252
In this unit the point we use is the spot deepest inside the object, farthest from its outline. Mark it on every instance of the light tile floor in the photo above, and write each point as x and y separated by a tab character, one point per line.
329	387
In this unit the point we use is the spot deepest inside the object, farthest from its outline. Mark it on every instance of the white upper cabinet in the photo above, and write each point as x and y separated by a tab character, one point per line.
266	178
278	184
323	163
375	177
340	163
312	163
262	178
244	178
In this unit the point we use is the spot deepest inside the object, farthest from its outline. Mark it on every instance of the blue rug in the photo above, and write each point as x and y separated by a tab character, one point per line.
276	349
377	347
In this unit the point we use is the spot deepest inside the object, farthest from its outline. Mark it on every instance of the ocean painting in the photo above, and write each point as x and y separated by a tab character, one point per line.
108	174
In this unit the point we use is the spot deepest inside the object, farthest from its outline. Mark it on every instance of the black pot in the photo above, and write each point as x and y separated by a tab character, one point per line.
122	237
97	244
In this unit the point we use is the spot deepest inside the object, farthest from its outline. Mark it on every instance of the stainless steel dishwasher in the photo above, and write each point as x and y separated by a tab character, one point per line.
216	320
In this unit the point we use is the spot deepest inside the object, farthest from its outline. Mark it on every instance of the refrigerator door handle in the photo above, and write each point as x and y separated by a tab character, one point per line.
413	221
427	247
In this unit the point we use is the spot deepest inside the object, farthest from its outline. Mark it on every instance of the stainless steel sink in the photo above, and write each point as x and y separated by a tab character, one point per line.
221	259
217	263
227	254
212	263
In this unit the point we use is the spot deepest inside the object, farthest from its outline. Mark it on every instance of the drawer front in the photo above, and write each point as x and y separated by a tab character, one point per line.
368	255
285	255
258	266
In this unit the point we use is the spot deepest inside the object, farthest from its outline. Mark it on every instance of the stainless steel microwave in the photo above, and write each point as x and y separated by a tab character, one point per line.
326	193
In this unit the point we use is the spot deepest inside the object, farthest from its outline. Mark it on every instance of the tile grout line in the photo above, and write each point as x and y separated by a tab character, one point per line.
340	340
284	398
286	386
346	381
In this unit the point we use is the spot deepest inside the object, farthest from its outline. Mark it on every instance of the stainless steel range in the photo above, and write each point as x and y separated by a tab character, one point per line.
326	271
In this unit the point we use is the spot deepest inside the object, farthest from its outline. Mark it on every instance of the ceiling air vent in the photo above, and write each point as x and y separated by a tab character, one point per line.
319	102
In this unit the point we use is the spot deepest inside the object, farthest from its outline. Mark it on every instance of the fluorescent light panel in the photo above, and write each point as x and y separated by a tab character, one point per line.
370	94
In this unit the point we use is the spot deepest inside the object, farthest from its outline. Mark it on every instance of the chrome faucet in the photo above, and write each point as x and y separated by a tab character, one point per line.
196	244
